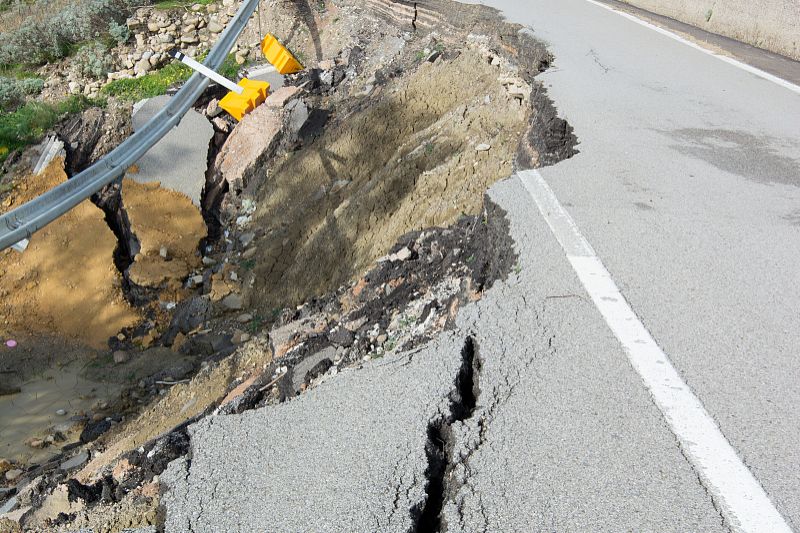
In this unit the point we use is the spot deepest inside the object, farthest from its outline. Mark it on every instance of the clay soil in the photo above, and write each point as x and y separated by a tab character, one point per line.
408	160
161	218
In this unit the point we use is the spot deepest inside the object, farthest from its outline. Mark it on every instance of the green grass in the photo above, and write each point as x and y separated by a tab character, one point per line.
17	71
173	4
157	83
30	122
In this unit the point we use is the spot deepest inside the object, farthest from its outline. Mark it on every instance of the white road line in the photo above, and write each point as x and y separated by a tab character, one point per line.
743	502
735	62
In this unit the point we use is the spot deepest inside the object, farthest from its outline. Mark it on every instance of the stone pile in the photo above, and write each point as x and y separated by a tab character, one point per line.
154	32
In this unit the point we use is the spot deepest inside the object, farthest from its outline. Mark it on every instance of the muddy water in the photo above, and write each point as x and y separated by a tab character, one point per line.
24	415
62	300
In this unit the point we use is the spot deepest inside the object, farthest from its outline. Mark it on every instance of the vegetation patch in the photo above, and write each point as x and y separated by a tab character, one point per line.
30	122
45	35
173	4
13	91
157	83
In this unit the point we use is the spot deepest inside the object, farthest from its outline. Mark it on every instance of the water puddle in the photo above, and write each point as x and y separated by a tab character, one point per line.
52	404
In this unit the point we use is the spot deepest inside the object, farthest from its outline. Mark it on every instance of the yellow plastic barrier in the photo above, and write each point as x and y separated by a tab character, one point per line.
238	105
280	58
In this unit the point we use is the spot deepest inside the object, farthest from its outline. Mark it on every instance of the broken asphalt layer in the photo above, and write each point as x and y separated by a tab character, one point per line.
178	161
469	433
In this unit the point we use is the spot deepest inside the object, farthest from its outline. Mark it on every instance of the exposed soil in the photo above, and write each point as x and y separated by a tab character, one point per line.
65	283
165	222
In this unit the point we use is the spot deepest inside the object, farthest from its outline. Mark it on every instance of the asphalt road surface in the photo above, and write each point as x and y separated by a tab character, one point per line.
676	412
179	160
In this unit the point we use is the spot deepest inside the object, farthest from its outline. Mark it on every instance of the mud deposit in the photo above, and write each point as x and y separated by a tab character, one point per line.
65	283
169	229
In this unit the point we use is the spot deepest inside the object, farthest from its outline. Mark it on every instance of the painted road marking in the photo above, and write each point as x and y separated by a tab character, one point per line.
735	62
743	502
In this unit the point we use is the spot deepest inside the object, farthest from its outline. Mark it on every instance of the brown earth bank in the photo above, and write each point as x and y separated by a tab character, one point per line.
347	220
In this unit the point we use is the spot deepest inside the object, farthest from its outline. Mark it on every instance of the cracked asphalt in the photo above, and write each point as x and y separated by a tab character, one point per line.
563	435
687	187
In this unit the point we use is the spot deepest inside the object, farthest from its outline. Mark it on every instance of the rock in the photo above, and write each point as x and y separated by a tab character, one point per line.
254	139
75	462
142	66
188	316
37	443
13	474
341	337
240	337
61	412
240	58
166	38
232	302
249	253
244	318
180	340
164	253
207	261
282	96
215	27
403	254
74	87
213	109
482	147
93	430
189	39
247	238
381	340
5	466
121	356
153	27
221	124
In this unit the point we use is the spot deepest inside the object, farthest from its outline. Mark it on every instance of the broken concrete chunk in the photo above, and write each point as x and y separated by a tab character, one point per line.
232	302
75	462
254	138
302	370
240	337
283	96
13	474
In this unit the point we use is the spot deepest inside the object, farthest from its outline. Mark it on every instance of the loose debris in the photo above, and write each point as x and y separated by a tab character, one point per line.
374	160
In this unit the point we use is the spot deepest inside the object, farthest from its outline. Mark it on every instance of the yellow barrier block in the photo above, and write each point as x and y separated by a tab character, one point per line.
238	105
280	58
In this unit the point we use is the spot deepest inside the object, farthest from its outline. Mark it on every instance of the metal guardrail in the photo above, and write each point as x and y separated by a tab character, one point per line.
30	217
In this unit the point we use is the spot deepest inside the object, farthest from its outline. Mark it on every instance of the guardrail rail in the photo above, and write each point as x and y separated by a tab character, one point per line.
22	222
